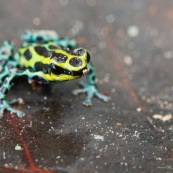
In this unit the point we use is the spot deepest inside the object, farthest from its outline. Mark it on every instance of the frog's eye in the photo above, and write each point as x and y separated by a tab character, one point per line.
60	58
59	70
75	62
79	51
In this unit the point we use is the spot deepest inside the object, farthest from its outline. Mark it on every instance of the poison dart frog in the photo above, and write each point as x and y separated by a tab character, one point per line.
45	57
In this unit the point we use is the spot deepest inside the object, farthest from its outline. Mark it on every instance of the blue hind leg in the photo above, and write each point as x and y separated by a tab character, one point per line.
7	60
7	84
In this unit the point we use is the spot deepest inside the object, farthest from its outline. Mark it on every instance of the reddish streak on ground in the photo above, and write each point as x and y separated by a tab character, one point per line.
122	72
32	165
127	83
13	170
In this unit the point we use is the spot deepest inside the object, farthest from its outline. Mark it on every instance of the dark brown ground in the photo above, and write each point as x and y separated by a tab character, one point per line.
131	46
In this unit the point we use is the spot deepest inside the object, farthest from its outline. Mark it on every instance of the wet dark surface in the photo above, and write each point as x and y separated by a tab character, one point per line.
131	46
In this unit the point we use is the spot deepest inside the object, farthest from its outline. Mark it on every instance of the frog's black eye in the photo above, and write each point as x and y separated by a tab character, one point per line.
59	57
75	62
59	70
79	51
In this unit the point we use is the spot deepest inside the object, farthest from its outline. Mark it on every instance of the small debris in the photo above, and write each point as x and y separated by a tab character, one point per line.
158	158
36	21
138	109
157	116
45	98
168	55
18	147
110	18
20	100
106	77
118	124
4	155
163	118
133	31
99	137
128	60
46	109
136	134
113	105
167	117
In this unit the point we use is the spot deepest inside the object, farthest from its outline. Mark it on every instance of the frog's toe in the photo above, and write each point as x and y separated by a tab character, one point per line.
87	102
78	91
102	97
16	101
1	113
91	91
6	106
20	114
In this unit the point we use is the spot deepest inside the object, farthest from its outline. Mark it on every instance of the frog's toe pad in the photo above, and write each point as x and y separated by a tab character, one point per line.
20	114
16	101
6	106
87	102
102	97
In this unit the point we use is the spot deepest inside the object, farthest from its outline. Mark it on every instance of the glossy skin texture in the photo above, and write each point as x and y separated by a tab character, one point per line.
55	63
44	57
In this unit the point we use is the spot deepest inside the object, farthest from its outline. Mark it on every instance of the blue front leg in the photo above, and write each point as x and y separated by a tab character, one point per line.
90	88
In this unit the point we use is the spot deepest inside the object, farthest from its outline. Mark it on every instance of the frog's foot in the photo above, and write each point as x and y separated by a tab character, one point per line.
91	91
14	101
6	106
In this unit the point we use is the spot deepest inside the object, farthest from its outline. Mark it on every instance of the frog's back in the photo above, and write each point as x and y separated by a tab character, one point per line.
30	55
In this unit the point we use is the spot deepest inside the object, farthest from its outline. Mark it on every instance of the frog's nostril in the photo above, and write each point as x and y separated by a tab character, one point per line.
75	62
79	51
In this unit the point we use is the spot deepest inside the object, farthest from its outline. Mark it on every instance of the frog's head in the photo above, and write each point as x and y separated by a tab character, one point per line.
69	64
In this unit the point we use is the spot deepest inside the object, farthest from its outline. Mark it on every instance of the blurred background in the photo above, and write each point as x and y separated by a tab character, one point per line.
130	43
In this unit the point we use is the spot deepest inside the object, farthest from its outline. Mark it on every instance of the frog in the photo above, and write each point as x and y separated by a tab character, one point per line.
45	57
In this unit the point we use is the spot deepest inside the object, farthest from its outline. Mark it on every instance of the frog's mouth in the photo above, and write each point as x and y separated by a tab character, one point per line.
81	72
59	70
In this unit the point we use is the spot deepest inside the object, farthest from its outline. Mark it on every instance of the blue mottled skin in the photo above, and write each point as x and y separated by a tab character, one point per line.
65	48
